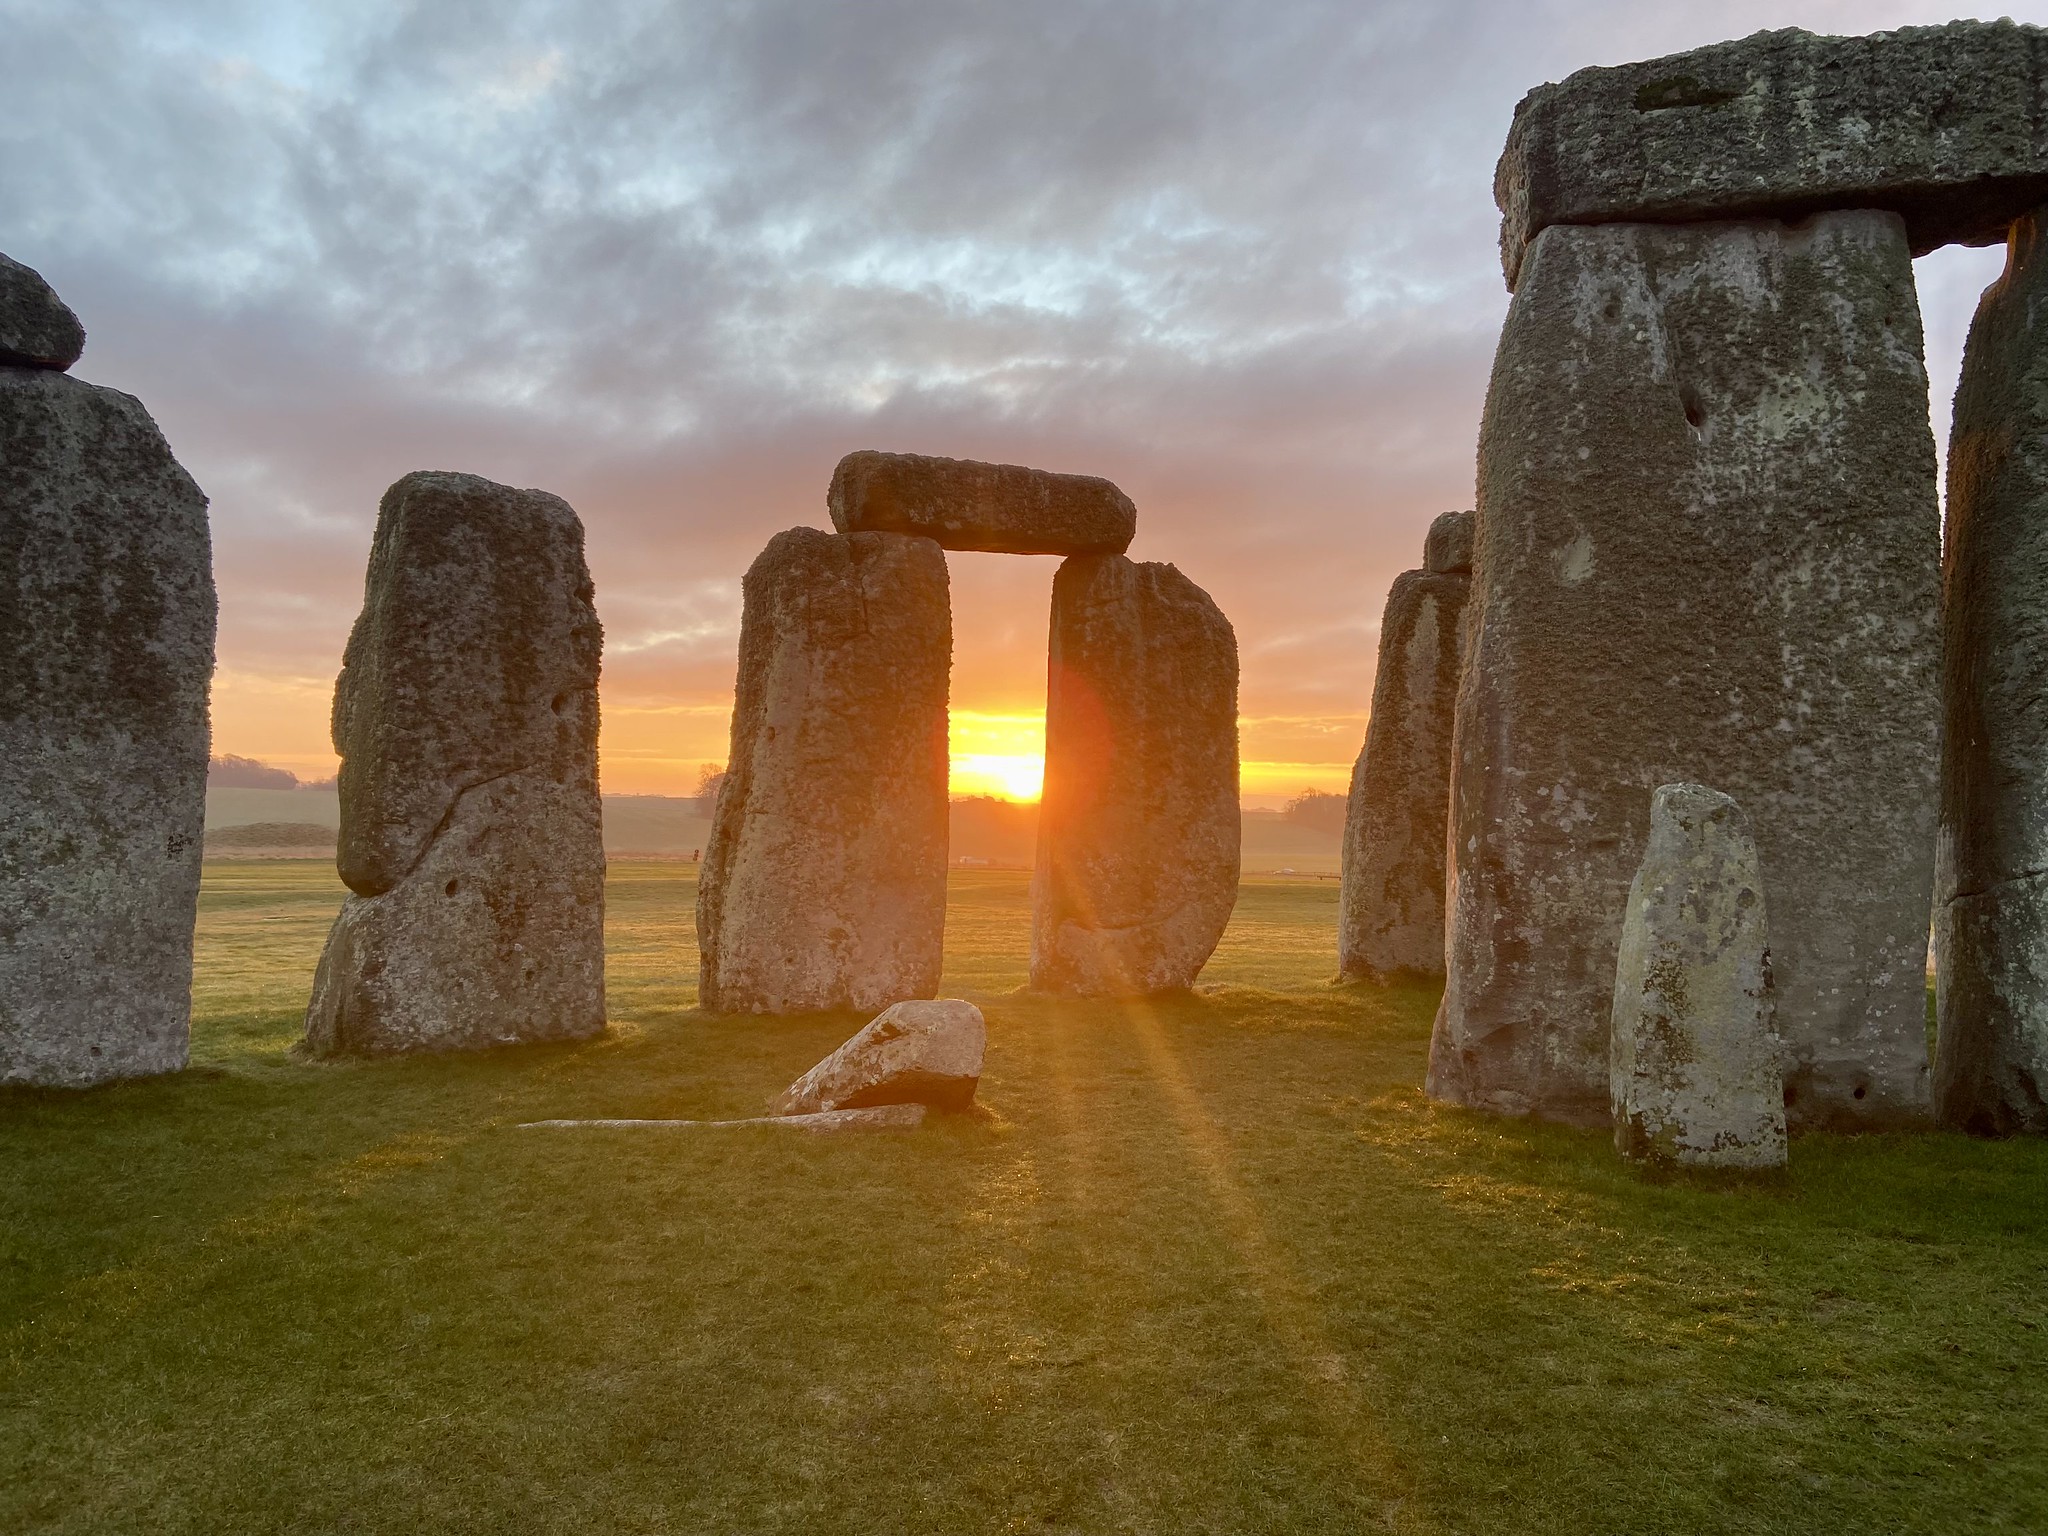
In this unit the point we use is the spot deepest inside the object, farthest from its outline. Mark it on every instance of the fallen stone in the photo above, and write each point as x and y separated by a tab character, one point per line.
37	329
1390	907
1991	916
1138	824
824	883
885	1117
466	720
1708	548
913	1053
1448	548
1004	508
1694	1068
106	655
1940	125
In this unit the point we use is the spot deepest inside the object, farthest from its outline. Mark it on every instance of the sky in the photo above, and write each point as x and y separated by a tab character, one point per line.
672	260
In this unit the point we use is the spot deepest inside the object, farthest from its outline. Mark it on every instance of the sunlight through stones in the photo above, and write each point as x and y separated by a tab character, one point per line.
1694	1072
466	720
1390	915
106	654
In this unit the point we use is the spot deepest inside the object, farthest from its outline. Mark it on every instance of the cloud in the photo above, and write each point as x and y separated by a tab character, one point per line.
672	260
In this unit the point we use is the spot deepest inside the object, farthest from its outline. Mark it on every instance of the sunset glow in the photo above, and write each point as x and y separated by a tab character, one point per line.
997	754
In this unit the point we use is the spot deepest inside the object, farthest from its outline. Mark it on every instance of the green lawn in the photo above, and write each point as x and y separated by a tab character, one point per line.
1211	1265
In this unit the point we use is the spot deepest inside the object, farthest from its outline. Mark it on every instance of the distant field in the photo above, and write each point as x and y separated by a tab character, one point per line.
1207	1265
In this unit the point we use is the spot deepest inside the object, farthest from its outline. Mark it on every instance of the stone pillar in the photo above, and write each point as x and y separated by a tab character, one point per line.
106	653
1390	912
825	882
1138	824
1707	549
1695	1074
466	720
1991	919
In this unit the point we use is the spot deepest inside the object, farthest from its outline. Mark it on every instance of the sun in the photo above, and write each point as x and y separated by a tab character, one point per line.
1001	755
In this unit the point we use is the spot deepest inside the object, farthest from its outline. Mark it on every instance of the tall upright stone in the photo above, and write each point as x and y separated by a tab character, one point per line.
106	654
1390	909
1991	917
471	840
1138	823
824	885
1694	1067
1707	549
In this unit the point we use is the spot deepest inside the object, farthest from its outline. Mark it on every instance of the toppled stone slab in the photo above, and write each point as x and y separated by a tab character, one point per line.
824	885
964	504
1448	547
1138	824
1694	1067
884	1117
471	837
37	329
1708	549
912	1053
1991	915
1943	126
106	655
1390	907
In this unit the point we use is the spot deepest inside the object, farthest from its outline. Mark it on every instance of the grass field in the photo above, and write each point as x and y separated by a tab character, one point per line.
1210	1265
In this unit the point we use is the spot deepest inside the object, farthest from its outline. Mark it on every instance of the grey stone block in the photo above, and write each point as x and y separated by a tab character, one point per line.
1003	508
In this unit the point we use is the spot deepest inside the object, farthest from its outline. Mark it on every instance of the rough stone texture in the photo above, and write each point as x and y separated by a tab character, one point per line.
1003	508
1708	550
1138	823
1448	548
913	1053
466	720
106	653
824	885
1991	920
1695	1068
1946	126
886	1117
37	329
1390	911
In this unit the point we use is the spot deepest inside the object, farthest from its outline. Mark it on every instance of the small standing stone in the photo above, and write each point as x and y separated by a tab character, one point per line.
1138	825
1001	508
466	720
1390	910
912	1053
37	329
1694	1070
1991	916
824	885
106	655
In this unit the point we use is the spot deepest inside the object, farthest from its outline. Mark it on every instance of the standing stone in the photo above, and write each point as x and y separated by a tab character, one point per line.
1708	548
1390	910
1991	920
466	720
824	885
1000	508
1694	1068
1138	824
106	652
1941	125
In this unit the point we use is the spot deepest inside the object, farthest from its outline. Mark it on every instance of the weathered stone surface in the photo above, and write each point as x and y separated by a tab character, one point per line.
37	329
1390	911
1138	824
1991	918
1946	126
912	1053
885	1117
466	720
824	885
964	504
1708	549
106	653
1695	1072
1448	548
